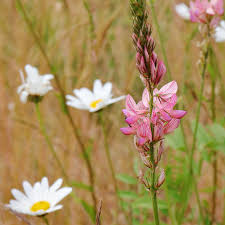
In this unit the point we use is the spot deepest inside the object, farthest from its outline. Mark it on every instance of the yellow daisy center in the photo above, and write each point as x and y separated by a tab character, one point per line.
42	205
95	103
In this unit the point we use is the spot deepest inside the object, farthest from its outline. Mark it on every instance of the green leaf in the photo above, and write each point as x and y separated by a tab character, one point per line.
62	103
144	202
218	132
128	195
126	179
81	185
203	138
89	209
176	140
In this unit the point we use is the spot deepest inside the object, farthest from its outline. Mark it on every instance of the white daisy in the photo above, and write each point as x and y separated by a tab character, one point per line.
39	199
93	101
183	11
219	34
34	84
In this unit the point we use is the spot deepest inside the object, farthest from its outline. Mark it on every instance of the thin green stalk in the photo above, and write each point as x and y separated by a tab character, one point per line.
48	141
45	220
153	188
107	151
213	117
198	201
160	38
65	107
191	156
91	20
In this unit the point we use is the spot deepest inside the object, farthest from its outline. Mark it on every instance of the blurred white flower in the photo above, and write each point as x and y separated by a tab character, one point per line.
39	199
93	101
183	11
219	34
34	84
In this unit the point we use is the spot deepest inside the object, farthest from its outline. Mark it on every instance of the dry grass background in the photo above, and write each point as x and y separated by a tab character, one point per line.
79	60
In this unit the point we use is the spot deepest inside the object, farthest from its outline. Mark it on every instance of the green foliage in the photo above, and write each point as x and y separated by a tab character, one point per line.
89	210
176	140
126	179
81	185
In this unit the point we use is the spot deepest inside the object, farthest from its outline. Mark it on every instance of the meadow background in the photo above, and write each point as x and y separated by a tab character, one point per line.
89	40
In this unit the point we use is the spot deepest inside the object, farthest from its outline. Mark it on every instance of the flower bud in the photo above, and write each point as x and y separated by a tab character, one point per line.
161	179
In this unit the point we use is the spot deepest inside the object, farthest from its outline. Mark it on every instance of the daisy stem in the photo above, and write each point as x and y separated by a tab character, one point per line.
160	38
107	151
153	187
190	176
65	107
45	220
48	141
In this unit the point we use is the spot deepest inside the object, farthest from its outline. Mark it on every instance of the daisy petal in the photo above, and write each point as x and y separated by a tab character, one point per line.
113	100
56	185
97	87
23	96
60	194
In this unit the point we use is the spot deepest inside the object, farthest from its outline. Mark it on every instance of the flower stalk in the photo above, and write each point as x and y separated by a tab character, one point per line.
107	151
191	176
154	116
213	117
152	161
45	220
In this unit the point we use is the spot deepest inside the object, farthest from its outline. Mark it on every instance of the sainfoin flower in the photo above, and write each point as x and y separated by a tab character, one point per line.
40	199
100	97
164	118
201	11
219	34
34	84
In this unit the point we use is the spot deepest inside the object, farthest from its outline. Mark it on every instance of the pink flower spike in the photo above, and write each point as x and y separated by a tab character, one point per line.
145	98
161	71
178	114
144	133
169	89
161	179
160	151
131	119
130	103
127	130
217	5
171	126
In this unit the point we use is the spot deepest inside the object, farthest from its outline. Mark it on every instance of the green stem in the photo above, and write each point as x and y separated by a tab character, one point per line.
160	38
48	141
65	107
153	169
191	156
91	20
153	186
107	151
45	220
213	112
198	201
